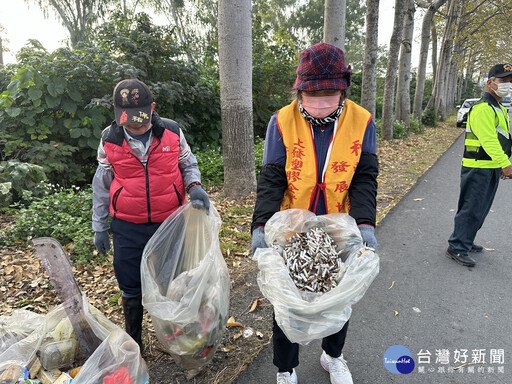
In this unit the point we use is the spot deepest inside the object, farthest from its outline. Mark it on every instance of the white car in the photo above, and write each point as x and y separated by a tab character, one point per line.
462	114
506	102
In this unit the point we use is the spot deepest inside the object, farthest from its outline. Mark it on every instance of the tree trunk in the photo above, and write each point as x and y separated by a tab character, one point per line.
369	81
235	68
434	53
403	94
389	87
176	19
334	22
422	65
439	97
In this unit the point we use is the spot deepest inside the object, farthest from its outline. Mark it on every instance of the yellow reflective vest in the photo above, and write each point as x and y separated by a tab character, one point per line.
341	161
488	141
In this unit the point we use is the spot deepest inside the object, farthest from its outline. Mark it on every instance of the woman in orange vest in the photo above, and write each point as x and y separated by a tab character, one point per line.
320	155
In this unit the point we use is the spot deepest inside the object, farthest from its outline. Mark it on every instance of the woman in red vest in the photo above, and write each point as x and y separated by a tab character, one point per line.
320	155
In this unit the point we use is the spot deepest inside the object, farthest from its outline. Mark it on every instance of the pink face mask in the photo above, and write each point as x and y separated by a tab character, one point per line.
320	106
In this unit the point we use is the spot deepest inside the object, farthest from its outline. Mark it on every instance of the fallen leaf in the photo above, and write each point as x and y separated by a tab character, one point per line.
489	249
236	264
255	304
259	334
391	286
228	348
418	199
232	323
415	309
396	313
237	335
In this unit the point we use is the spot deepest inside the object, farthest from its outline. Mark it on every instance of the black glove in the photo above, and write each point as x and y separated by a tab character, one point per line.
199	198
101	241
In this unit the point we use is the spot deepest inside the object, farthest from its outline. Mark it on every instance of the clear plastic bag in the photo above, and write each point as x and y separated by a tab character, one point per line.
19	339
116	360
306	316
185	285
122	351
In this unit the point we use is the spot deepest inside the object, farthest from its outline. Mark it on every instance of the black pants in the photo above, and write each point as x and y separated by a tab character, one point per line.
129	241
286	353
478	187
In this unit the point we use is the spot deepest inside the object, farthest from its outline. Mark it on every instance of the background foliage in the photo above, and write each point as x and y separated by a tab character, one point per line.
54	105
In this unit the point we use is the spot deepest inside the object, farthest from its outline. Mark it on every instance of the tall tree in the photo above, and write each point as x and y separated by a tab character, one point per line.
77	16
235	67
334	22
369	81
389	86
438	99
434	40
422	65
403	95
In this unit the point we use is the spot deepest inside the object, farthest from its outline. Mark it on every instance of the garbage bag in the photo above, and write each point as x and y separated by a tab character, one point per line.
305	316
185	285
55	326
117	360
18	339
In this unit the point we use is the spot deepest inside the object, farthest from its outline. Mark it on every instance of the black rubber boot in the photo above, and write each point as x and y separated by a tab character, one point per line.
133	312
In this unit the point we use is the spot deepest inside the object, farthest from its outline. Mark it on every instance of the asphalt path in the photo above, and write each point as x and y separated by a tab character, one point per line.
447	315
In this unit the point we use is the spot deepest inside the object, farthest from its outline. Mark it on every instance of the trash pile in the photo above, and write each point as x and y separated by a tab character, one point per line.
316	268
74	342
185	286
313	261
50	353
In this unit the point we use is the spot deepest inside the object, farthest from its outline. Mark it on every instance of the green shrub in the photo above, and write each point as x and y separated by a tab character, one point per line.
63	214
399	130
429	118
211	163
416	126
22	176
211	166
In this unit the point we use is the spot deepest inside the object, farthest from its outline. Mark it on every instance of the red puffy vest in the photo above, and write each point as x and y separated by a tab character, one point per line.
145	194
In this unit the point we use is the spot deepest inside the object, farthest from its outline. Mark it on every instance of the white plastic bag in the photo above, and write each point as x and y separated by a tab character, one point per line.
185	285
306	316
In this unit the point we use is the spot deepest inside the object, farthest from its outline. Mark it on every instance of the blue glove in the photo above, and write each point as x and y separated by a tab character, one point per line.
199	198
258	239
368	235
101	241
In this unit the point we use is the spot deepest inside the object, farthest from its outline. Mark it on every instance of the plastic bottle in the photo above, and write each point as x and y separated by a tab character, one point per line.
58	354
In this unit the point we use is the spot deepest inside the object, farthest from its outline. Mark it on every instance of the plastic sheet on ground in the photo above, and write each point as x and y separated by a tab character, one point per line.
306	316
185	285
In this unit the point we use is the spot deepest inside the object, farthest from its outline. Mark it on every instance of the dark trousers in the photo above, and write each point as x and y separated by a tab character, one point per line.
286	353
129	241
478	187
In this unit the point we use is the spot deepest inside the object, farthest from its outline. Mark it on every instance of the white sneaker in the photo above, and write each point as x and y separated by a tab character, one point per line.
337	368
287	378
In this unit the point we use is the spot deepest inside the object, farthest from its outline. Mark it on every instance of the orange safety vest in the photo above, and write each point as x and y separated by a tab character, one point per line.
340	164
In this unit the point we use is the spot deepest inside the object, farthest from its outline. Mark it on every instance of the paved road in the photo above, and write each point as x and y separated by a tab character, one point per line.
441	305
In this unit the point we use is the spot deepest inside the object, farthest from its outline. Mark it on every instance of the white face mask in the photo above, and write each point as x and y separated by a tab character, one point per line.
503	89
